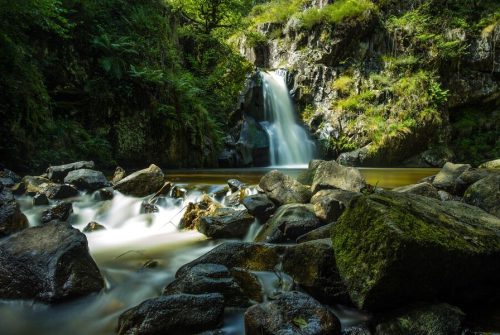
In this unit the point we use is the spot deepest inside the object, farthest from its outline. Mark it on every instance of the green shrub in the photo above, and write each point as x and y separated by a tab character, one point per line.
337	12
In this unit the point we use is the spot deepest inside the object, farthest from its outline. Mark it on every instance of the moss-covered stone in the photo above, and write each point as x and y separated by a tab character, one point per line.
392	248
485	194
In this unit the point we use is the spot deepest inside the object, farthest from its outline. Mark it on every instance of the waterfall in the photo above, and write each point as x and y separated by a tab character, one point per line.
289	142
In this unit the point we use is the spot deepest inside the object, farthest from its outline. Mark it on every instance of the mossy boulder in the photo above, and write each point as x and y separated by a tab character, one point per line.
447	176
393	248
485	194
195	211
330	204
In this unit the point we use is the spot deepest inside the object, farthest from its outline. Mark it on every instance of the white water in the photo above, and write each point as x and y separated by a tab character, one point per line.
289	143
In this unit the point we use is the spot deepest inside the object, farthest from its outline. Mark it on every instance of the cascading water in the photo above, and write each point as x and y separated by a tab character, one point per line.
289	143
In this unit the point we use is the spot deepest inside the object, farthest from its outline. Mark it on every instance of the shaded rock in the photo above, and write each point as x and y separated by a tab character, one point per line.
93	226
59	172
485	194
448	175
494	164
283	189
210	278
330	204
219	194
12	219
357	330
86	179
331	175
118	175
142	183
260	206
194	212
8	178
306	177
234	199
251	256
358	157
59	212
176	314
178	192
104	194
289	222
425	189
225	223
291	313
445	196
249	283
469	177
439	319
60	191
40	199
147	208
235	185
393	248
50	263
317	234
312	266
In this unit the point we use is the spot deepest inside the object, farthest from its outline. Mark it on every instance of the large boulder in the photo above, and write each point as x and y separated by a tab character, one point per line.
485	194
291	313
195	211
87	179
260	206
211	278
494	164
438	319
289	222
225	223
50	263
176	314
393	248
425	189
60	191
283	189
330	204
306	176
447	176
59	172
331	175
59	212
471	176
31	185
142	183
12	219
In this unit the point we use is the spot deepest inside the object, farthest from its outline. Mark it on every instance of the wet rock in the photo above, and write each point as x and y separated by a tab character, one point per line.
393	248
249	283
289	222
260	206
219	194
178	192
358	157
439	319
104	194
357	330
331	175
49	263
176	314
283	189
12	219
93	226
225	223
8	178
86	179
210	278
330	204
494	164
425	189
194	212
312	265
469	177
40	199
118	175
446	178
306	177
250	256
31	185
234	199
142	183
485	194
317	234
445	196
59	212
235	185
291	313
147	208
59	172
60	191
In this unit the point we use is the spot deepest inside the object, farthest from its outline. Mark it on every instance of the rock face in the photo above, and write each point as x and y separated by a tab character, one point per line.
392	248
59	172
12	219
50	263
142	183
289	222
330	204
176	314
440	319
259	206
448	175
211	278
225	223
425	189
59	212
331	175
485	194
283	189
86	179
291	313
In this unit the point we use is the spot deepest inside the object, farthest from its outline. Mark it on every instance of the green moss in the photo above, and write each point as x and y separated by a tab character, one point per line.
339	11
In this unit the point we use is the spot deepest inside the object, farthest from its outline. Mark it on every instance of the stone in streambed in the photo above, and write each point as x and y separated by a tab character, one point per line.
470	177
331	175
86	179
118	175
235	185
59	212
283	189
225	223
330	204
447	176
195	211
425	189
394	248
485	194
40	199
12	219
291	313
50	263
60	191
142	183
31	185
317	234
93	226
178	314
494	164
59	172
260	206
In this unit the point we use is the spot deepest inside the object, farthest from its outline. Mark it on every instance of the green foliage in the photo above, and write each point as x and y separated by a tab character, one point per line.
337	12
343	84
276	11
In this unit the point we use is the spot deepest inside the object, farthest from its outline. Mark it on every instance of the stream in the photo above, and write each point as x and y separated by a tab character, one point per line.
138	254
